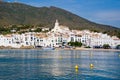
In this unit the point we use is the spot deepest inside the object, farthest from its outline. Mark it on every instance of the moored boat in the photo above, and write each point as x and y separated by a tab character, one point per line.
48	48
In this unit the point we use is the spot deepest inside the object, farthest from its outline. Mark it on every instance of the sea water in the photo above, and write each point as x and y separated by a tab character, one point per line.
59	65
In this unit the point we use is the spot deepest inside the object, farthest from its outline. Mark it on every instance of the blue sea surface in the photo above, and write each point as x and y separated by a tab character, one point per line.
59	65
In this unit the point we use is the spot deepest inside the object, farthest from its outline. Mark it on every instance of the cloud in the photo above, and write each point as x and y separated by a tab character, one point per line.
108	15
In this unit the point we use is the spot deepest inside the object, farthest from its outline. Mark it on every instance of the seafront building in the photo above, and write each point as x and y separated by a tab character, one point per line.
60	35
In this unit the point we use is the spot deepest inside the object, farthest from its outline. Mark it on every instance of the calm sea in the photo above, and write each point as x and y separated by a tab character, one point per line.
59	65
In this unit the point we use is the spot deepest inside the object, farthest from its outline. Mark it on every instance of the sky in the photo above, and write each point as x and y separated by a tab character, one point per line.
98	11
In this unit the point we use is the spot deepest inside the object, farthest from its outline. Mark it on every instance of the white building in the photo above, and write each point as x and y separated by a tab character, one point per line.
9	41
58	36
99	39
60	28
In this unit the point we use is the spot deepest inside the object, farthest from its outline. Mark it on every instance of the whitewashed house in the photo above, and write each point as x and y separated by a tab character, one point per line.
28	39
58	36
99	39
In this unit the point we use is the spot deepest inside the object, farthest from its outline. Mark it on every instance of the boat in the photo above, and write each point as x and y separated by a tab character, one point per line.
48	48
38	47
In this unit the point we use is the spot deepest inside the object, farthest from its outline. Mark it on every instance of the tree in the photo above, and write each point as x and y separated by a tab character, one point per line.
106	46
38	30
118	34
118	46
76	44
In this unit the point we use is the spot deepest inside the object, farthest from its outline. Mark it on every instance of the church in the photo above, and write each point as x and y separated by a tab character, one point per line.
59	28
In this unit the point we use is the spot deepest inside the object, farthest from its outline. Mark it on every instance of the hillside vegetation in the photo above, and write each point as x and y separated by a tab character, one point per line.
13	15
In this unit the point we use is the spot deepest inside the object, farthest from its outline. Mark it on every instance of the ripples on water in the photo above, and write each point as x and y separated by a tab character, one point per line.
59	65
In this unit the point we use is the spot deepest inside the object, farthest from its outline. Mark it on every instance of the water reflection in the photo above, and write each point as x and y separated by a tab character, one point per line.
38	64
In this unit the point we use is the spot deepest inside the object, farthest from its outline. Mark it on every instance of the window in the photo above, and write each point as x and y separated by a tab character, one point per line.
25	38
31	38
52	40
72	39
41	40
9	42
37	40
83	41
26	43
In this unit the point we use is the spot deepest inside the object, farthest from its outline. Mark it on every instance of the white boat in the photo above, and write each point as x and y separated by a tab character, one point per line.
48	48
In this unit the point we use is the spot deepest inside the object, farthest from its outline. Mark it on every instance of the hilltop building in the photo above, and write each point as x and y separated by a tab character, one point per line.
56	27
59	28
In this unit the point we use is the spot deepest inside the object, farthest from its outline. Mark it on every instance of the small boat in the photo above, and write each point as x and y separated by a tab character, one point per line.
38	46
48	48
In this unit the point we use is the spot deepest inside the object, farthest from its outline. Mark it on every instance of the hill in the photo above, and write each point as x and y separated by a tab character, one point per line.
28	16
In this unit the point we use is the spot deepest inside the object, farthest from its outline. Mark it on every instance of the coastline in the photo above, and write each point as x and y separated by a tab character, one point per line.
77	48
92	49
